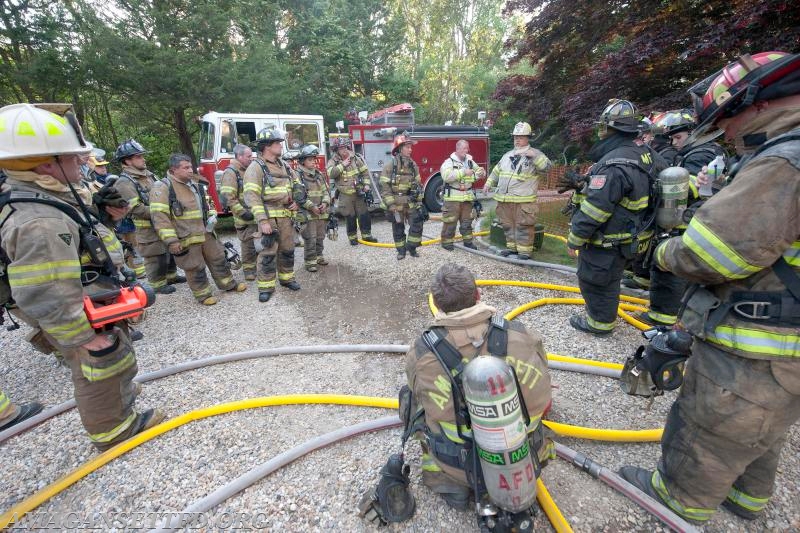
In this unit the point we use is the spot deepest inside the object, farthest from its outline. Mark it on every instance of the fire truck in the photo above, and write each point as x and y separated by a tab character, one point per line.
373	135
220	132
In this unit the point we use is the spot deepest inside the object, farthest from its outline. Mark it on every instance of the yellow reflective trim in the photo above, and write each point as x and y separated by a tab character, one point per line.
451	432
133	202
692	513
65	273
594	212
285	277
38	267
193	239
603	326
53	129
266	284
98	374
190	215
575	240
159	207
114	433
757	341
792	255
715	252
742	499
2	124
5	402
142	224
26	129
252	187
70	331
634	205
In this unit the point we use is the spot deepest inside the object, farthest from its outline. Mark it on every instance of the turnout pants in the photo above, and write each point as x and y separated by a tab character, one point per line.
403	213
666	291
356	213
519	225
158	263
725	432
281	250
599	275
102	382
457	212
314	238
8	409
248	247
210	253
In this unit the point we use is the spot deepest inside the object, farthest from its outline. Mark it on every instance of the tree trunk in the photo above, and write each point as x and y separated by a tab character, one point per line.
179	120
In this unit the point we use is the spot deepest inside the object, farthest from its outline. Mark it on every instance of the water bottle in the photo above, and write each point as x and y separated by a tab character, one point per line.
714	172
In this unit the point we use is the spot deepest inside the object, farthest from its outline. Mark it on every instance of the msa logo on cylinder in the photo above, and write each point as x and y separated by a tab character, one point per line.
490	411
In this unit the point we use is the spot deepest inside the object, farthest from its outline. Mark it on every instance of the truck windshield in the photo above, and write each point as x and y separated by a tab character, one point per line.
299	134
207	141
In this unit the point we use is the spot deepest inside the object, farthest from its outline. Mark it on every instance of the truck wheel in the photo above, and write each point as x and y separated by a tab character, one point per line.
434	191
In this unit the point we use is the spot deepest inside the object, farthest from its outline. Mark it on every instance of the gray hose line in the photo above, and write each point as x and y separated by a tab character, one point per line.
616	482
584	369
194	364
279	461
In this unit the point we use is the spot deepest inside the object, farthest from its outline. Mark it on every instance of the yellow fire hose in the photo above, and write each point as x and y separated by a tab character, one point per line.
32	502
437	241
543	496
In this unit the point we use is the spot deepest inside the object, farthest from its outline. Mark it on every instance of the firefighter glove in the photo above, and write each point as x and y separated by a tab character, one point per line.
108	196
570	180
247	216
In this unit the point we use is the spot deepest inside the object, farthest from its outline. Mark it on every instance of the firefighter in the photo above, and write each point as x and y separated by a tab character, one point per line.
11	413
459	173
400	190
351	176
314	198
741	390
268	185
100	170
516	181
134	183
464	322
182	216
232	197
611	215
55	258
666	289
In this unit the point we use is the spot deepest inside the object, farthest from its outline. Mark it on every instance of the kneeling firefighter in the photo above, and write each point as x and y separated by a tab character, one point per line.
478	386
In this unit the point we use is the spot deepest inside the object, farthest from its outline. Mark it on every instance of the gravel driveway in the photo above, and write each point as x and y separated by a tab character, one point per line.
364	296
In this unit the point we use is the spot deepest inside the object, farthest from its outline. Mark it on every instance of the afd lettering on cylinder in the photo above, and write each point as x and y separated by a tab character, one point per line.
499	429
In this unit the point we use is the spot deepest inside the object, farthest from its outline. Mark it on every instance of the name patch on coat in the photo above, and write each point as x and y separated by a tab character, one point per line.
597	182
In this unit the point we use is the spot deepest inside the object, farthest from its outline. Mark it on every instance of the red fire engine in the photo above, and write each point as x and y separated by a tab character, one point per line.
373	138
220	132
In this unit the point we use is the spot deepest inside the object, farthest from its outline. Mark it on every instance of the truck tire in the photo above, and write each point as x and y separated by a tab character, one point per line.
434	190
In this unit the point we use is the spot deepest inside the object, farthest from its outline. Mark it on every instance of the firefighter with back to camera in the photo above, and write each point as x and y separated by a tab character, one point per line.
470	371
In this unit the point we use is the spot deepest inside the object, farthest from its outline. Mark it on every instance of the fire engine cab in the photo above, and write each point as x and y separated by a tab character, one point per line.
372	138
220	132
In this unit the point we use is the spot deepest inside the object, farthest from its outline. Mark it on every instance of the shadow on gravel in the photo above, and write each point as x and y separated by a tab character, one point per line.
346	306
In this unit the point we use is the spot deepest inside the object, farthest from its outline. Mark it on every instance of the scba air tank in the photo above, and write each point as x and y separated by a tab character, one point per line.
498	426
674	192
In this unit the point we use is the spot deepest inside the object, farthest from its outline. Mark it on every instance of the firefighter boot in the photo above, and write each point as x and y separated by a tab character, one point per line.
523	257
580	323
412	251
26	411
369	239
401	253
176	279
640	478
740	511
166	289
239	287
448	247
470	245
264	297
507	252
322	261
211	300
292	285
143	422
